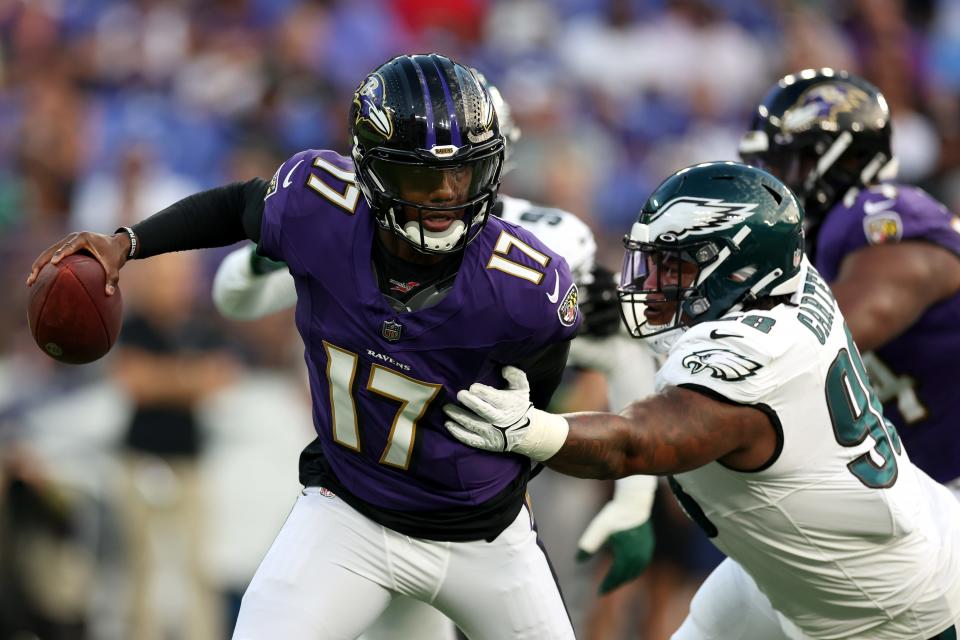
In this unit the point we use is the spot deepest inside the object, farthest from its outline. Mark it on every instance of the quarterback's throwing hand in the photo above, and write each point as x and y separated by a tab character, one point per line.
505	420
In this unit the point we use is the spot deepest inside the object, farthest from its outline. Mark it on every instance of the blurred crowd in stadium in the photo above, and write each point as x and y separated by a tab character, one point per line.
111	110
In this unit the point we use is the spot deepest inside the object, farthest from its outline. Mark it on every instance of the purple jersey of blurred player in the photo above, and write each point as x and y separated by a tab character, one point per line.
378	377
915	374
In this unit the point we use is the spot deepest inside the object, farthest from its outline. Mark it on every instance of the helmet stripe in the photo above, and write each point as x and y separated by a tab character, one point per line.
834	152
451	109
407	80
723	255
428	105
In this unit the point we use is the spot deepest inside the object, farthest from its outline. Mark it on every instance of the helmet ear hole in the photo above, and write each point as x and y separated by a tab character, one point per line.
773	194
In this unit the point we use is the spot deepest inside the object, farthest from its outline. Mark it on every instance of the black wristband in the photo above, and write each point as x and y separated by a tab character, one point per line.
214	218
134	243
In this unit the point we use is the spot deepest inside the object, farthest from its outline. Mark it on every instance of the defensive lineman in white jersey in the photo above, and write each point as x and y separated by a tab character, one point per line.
830	518
765	417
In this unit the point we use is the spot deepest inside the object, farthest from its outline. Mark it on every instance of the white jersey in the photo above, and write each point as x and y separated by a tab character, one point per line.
627	363
560	230
842	533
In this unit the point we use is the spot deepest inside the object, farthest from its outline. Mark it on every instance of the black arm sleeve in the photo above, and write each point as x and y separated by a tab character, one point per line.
213	218
544	371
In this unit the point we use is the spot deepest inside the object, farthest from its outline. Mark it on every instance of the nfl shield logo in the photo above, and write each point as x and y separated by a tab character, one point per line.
391	330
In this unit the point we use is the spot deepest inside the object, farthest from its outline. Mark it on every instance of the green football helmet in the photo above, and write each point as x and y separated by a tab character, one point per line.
733	233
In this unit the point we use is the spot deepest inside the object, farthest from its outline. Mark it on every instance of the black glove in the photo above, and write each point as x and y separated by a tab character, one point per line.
599	303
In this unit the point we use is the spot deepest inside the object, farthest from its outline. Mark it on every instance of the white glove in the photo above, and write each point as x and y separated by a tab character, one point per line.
504	420
623	525
630	507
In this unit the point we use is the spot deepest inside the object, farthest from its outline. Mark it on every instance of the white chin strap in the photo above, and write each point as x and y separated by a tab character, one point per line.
444	240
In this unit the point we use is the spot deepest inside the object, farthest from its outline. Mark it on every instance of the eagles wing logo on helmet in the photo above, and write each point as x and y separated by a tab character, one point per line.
697	216
722	364
822	104
369	98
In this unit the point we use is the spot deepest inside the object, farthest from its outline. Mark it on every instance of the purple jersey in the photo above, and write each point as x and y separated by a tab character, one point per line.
915	374
378	377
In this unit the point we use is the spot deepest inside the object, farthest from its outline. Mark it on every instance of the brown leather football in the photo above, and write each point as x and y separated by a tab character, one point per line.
71	317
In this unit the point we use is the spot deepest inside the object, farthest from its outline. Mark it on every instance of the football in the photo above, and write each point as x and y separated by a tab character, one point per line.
71	317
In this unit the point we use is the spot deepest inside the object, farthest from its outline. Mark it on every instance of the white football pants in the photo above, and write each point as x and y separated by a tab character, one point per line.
730	606
408	618
331	572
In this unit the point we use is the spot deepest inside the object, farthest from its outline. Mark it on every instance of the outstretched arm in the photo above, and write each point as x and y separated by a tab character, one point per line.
671	432
213	218
676	430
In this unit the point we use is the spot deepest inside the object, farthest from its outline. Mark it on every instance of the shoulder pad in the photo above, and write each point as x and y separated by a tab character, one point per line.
742	356
892	212
560	230
309	184
530	278
760	332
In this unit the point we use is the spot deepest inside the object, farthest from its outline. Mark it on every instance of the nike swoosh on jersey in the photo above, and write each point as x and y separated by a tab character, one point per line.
286	179
553	297
871	208
714	335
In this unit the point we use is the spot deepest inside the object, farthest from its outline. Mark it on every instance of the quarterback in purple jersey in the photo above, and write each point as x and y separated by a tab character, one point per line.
248	286
890	252
407	290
